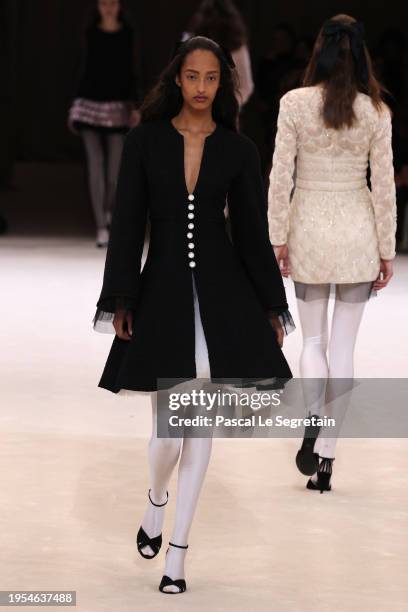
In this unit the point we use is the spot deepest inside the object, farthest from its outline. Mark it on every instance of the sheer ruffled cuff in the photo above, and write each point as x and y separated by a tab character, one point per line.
286	320
105	312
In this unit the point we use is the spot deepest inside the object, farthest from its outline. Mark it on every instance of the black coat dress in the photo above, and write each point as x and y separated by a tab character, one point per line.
237	279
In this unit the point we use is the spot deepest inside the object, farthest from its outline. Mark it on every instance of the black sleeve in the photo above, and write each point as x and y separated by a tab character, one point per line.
135	86
121	279
250	236
80	65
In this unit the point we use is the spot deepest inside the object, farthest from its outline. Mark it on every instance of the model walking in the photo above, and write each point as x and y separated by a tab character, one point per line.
202	306
103	109
335	234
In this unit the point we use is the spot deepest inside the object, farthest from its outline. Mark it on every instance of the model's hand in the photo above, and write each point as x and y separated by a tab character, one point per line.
123	324
135	117
384	275
71	127
282	257
277	326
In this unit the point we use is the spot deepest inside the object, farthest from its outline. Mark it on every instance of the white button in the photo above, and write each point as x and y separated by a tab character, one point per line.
191	197
190	226
189	234
191	206
190	215
191	245
191	255
192	264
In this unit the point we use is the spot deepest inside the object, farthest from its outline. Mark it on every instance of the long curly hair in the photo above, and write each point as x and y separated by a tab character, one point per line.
165	99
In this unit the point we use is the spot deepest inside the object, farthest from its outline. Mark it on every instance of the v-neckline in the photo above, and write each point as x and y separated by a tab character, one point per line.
183	165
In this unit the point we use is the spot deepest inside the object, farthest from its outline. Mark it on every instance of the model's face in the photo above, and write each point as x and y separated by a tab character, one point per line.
109	9
199	79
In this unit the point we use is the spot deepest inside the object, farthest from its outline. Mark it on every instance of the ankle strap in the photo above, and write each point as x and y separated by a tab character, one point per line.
177	545
159	505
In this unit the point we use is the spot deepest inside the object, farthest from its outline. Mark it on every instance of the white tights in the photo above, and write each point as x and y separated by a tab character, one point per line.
329	362
103	153
163	454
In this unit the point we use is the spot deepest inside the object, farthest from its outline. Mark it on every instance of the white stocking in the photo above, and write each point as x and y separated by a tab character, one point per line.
346	321
163	454
328	392
193	465
194	459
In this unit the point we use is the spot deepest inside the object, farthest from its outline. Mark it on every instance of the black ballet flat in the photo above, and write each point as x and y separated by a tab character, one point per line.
324	473
307	461
142	539
166	581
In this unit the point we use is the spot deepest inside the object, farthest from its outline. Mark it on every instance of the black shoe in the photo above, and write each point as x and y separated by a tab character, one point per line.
180	583
307	461
324	473
142	539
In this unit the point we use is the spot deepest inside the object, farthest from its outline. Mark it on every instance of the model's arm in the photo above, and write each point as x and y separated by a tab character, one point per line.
121	279
242	62
249	230
383	186
281	176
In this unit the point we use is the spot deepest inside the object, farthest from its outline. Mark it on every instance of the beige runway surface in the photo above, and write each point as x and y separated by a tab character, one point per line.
74	474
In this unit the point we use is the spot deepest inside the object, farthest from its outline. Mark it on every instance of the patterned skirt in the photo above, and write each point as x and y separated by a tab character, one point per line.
102	116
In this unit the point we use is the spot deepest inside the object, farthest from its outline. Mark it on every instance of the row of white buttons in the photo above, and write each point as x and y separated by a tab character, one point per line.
190	234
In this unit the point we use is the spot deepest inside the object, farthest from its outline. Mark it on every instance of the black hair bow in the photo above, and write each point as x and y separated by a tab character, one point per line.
333	31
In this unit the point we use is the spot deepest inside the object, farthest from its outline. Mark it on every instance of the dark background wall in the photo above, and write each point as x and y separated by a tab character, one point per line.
40	51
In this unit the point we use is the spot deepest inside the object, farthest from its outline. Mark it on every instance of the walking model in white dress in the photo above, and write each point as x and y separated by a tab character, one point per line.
331	233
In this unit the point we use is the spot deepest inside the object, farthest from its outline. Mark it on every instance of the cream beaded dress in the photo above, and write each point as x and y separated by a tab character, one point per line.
320	205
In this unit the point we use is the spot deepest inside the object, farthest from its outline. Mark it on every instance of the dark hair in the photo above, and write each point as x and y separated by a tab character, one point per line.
221	21
344	81
165	99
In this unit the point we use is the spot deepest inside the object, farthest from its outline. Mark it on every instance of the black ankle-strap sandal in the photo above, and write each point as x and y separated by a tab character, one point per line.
142	539
324	474
166	581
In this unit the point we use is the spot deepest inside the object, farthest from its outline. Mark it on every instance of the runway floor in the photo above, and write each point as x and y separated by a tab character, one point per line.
74	472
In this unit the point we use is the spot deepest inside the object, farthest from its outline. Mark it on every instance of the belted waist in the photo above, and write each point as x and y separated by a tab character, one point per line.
327	173
332	185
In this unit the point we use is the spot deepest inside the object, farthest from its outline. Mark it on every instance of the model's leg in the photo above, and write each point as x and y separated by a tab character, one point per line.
347	314
193	465
114	143
312	303
96	174
163	454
